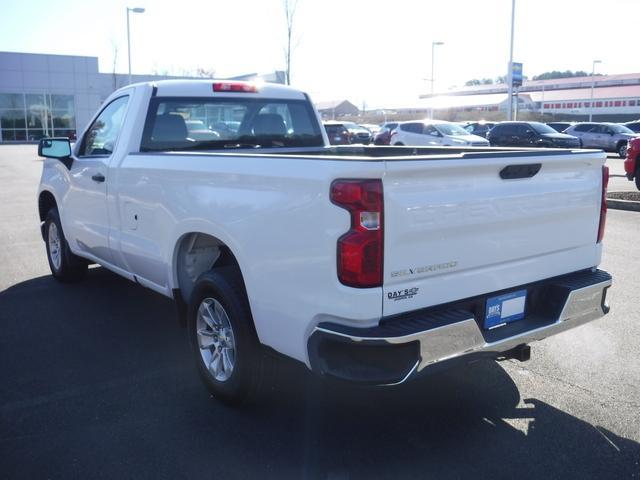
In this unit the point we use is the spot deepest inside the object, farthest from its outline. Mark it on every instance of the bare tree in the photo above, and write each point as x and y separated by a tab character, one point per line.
206	72
290	13
114	50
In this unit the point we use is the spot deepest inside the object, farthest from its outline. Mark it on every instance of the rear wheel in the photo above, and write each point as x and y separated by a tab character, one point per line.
227	352
399	144
622	149
64	265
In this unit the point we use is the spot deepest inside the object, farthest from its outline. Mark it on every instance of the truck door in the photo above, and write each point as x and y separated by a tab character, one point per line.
85	205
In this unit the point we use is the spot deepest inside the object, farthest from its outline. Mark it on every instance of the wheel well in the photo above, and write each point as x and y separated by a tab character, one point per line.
197	253
46	202
620	143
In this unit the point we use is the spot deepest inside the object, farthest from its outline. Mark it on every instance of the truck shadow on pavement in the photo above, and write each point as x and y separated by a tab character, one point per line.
97	381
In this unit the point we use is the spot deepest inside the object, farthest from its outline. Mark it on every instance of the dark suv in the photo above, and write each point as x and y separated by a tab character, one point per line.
635	126
479	128
559	127
529	134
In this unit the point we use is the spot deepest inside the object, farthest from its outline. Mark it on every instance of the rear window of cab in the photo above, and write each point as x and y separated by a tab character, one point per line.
184	124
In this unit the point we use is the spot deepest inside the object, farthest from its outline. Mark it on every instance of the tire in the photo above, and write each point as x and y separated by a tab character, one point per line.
637	178
219	317
399	144
64	265
622	149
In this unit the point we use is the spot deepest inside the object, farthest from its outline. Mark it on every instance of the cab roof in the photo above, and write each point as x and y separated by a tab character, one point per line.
204	88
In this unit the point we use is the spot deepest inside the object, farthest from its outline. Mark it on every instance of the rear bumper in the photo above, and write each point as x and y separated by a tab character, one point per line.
404	346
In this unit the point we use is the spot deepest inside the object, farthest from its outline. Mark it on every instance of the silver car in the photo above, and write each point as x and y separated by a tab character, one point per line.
610	137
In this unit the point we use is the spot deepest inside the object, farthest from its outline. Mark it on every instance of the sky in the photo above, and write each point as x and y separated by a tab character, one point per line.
372	52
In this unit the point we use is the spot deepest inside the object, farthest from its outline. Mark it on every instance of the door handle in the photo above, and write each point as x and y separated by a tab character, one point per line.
98	177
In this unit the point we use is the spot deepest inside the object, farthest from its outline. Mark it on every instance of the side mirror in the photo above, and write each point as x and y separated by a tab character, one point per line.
58	148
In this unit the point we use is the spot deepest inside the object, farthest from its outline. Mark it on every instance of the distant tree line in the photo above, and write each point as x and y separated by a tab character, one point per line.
565	74
543	76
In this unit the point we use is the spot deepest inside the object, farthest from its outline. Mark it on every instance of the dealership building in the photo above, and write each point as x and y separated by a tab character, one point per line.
615	98
56	95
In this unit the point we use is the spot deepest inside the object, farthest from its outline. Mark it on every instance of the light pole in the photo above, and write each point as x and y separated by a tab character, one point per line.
433	78
134	10
593	84
510	74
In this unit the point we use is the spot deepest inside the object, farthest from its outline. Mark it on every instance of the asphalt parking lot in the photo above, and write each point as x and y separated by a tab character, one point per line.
96	381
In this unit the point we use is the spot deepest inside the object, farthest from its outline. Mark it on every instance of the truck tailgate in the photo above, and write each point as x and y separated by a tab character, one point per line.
455	229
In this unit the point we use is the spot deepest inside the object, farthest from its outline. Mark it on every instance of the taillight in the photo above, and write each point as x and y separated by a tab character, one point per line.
233	87
603	202
360	250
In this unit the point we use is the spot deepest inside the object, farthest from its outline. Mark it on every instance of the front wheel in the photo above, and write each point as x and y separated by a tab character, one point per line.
227	352
622	150
64	265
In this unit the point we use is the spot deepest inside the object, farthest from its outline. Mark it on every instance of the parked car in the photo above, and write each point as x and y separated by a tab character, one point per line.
434	133
529	134
632	162
479	128
337	133
383	137
363	268
610	137
560	127
198	131
635	126
357	134
373	129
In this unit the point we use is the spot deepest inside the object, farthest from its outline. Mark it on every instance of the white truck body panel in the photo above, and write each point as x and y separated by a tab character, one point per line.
459	230
453	228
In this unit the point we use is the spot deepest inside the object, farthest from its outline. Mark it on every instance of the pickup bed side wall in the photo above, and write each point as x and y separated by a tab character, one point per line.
275	216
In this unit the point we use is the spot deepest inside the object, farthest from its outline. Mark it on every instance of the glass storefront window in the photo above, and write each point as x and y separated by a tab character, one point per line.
34	116
34	135
64	117
62	102
12	101
13	135
12	119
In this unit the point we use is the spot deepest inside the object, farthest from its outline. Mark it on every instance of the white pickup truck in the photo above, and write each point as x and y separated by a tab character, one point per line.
367	264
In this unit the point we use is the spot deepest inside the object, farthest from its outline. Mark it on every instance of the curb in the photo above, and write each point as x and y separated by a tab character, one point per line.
623	205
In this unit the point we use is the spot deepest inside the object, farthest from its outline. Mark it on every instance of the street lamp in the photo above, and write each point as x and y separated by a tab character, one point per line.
593	84
510	74
134	10
433	50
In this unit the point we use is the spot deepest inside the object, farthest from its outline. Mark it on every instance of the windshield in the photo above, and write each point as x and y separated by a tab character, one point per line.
621	129
542	128
450	129
227	123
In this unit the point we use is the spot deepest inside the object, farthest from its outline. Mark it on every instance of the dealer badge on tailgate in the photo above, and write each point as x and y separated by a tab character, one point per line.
504	309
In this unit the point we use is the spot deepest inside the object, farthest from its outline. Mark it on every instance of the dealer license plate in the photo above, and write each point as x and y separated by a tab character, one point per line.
504	309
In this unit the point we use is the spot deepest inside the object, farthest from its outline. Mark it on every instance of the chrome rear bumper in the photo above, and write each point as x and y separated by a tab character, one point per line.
400	348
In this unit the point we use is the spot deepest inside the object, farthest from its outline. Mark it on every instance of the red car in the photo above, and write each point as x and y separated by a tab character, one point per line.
632	162
383	137
337	133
